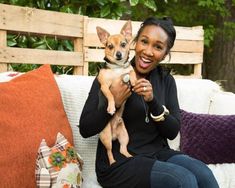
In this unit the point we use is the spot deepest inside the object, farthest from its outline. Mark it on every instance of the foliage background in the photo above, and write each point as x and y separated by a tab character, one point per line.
216	16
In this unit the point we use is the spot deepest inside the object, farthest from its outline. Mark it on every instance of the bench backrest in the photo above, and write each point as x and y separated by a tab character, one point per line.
81	30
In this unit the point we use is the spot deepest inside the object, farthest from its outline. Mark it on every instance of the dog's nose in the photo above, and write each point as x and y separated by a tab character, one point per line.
119	55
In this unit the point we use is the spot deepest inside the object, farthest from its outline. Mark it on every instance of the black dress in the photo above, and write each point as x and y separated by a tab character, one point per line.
148	141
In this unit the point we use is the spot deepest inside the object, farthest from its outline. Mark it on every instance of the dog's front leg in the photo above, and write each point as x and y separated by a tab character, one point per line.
111	103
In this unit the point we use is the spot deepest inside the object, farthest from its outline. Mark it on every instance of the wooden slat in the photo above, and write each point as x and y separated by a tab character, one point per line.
197	69
97	55
180	45
36	56
189	33
114	26
194	76
196	46
31	20
86	64
3	38
3	44
78	47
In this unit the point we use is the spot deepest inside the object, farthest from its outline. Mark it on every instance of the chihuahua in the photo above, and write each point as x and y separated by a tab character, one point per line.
117	49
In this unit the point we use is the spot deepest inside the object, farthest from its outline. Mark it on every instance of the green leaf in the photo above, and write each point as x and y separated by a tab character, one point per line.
32	39
209	35
150	4
11	43
23	40
60	47
118	11
133	2
43	46
102	2
67	44
39	43
9	36
66	9
52	43
105	11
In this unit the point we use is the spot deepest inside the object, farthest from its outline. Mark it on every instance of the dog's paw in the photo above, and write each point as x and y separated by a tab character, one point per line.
111	109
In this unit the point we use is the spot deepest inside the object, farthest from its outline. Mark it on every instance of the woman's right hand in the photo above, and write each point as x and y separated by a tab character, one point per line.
120	91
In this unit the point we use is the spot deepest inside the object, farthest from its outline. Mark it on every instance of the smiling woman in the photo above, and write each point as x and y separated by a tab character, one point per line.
154	163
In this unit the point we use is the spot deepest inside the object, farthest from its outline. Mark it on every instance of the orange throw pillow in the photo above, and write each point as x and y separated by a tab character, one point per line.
31	109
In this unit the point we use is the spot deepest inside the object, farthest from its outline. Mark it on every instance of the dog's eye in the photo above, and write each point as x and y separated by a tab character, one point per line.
110	46
123	44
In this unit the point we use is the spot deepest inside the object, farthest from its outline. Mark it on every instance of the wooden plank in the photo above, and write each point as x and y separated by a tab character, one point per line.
78	47
114	26
31	20
188	76
3	38
180	45
97	55
36	56
197	69
3	44
86	64
188	46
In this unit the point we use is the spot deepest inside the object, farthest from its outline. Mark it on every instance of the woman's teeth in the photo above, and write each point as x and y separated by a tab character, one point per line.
144	63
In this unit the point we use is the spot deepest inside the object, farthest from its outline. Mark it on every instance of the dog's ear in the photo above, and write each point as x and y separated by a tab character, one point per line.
103	35
127	30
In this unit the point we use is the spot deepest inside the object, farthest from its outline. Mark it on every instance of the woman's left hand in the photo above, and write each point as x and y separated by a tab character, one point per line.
144	87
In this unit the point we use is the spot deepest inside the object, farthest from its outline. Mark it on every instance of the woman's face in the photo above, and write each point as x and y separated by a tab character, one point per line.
151	48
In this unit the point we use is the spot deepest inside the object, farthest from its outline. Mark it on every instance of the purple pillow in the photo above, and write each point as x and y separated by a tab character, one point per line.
209	138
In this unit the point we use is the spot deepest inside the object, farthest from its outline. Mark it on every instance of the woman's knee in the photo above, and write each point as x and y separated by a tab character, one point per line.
203	174
169	175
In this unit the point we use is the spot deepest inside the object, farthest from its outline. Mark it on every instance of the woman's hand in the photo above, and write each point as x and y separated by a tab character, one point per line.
144	87
120	91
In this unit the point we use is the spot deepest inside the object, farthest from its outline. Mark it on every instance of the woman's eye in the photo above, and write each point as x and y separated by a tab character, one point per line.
144	41
158	47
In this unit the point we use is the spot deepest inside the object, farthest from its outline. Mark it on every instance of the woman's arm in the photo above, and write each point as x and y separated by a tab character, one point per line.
94	116
170	127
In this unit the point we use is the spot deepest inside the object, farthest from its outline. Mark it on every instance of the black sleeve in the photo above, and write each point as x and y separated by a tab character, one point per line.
170	127
94	116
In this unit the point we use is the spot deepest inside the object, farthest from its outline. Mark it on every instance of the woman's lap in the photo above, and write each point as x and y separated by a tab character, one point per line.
182	171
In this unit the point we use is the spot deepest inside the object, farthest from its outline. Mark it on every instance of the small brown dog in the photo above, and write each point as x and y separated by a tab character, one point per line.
116	55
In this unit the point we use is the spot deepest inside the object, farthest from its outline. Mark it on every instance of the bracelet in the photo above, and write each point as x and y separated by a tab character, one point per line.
161	116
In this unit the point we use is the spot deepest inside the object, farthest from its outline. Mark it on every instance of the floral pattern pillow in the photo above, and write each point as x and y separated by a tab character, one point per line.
59	166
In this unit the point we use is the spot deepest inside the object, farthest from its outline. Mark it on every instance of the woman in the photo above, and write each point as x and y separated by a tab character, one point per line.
151	117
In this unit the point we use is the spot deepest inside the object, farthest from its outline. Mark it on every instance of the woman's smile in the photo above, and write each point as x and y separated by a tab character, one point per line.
144	63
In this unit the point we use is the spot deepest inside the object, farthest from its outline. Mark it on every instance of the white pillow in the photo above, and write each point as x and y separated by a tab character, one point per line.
75	90
222	103
194	94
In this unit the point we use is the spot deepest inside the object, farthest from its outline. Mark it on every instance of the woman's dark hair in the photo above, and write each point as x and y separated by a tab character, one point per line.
165	23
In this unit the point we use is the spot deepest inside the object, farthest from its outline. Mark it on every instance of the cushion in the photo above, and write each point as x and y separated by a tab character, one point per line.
31	109
74	99
222	103
194	94
209	138
58	166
